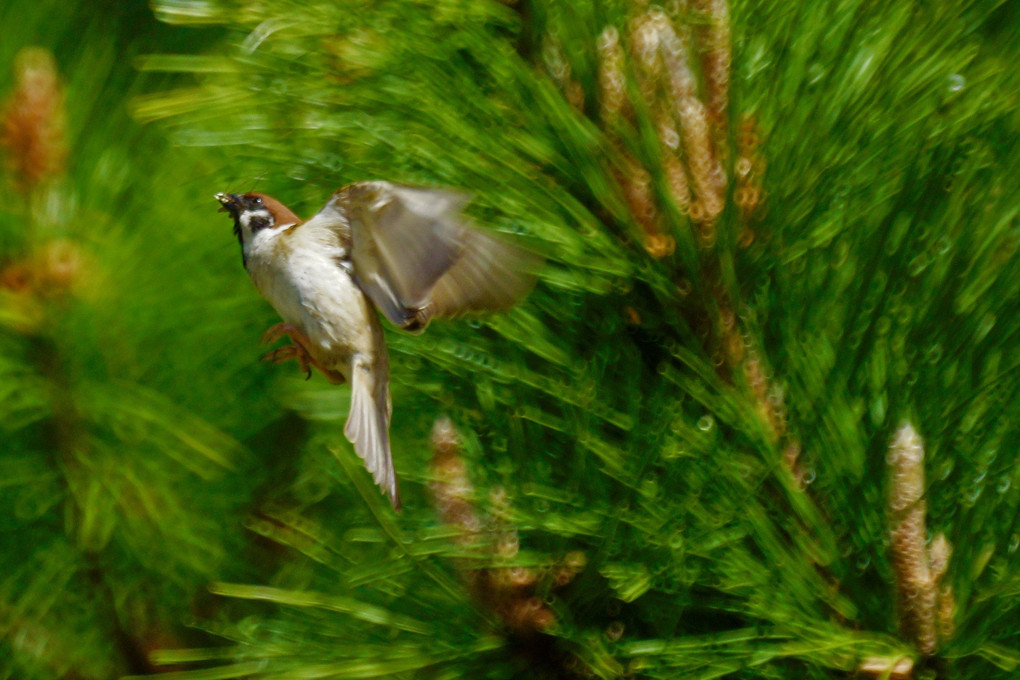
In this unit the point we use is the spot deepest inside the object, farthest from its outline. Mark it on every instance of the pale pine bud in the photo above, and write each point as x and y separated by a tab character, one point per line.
713	39
907	509
887	668
938	557
32	127
612	82
705	172
451	488
679	188
646	32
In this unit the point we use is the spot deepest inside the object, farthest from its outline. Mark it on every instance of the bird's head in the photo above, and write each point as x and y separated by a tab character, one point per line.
255	215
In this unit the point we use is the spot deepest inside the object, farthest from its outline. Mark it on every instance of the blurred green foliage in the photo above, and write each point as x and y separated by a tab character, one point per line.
704	432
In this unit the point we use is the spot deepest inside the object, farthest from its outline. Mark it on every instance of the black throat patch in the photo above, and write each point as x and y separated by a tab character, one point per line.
240	239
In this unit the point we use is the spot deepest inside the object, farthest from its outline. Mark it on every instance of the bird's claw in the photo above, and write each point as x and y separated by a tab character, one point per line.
295	351
298	351
275	332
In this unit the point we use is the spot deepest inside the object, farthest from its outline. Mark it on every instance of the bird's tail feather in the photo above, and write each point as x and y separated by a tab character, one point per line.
368	425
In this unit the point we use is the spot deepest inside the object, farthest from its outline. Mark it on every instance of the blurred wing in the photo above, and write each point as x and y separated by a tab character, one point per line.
489	275
416	256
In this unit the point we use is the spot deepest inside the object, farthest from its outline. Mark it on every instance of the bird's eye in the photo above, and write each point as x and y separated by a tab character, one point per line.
258	200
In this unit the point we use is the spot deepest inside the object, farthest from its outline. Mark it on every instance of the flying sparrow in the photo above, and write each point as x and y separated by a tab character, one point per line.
407	251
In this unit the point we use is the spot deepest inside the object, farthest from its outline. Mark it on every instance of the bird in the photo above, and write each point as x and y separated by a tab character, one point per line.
408	252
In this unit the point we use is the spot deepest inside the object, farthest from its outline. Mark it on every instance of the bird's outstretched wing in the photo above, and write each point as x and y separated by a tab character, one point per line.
417	257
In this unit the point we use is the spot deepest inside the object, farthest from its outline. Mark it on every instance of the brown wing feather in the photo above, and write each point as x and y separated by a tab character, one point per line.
490	275
416	256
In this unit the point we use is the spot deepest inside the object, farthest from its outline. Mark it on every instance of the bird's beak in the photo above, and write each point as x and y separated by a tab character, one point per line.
229	202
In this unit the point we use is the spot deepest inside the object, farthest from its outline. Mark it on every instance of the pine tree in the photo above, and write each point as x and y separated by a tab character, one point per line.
755	421
123	470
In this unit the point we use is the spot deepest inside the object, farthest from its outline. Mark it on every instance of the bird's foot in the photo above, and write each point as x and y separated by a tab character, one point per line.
281	354
274	333
299	351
